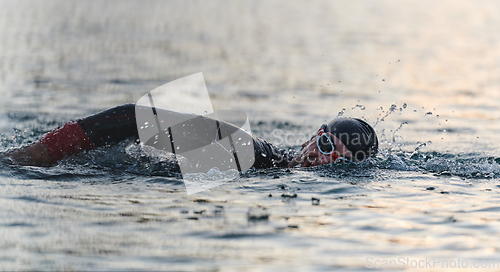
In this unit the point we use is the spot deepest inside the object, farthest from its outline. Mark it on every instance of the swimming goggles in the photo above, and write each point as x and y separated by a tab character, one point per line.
324	142
326	146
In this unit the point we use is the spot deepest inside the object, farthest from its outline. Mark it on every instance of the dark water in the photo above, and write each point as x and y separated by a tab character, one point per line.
425	74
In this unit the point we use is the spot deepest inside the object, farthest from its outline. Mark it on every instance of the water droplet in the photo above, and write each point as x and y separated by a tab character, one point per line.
383	79
428	113
359	106
146	123
341	113
263	155
404	105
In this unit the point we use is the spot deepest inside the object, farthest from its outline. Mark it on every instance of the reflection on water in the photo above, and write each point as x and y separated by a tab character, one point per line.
425	72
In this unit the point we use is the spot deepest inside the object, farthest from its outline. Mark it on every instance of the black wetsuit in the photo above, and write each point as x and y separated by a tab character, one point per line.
119	123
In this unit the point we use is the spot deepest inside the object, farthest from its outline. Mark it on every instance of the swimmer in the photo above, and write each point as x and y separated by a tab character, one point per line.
341	139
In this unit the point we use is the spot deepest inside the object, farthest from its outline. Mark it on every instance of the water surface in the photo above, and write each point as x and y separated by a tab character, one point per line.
424	73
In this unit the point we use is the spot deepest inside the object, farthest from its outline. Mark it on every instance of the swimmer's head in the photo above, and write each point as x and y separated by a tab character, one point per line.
349	138
357	136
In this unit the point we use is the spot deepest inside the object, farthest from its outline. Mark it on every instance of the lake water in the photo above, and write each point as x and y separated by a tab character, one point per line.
426	74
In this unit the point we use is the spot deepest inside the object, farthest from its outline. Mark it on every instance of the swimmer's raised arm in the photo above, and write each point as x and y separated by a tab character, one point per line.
112	126
107	127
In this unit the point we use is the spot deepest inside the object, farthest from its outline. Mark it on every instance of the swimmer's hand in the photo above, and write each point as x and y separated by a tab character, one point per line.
35	155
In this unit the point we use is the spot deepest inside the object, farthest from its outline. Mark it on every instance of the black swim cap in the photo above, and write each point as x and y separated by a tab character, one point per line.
357	136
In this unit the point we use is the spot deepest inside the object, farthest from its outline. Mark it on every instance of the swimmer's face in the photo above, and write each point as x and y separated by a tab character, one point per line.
311	156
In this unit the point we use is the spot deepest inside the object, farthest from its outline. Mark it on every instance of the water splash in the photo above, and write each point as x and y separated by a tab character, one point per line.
470	166
391	110
341	113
